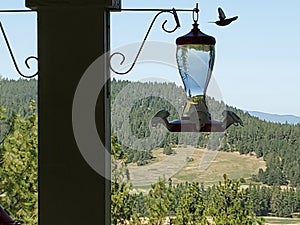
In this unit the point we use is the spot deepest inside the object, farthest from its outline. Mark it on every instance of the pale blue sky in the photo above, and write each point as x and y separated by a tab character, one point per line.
257	63
21	30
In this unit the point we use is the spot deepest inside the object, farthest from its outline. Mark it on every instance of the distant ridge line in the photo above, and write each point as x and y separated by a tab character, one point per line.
276	118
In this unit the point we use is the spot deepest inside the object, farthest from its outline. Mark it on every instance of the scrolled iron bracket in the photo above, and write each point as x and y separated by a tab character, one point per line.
177	25
13	57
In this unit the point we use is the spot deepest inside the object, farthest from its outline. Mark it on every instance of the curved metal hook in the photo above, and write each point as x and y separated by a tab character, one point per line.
13	58
176	20
173	12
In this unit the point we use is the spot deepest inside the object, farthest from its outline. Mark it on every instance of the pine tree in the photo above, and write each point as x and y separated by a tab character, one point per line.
191	206
158	202
231	205
121	202
19	167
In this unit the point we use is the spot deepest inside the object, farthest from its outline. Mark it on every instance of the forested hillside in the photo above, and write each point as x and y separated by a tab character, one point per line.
278	144
134	104
15	96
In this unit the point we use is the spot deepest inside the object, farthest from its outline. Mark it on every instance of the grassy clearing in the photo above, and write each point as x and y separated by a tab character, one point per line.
162	166
208	167
205	167
279	221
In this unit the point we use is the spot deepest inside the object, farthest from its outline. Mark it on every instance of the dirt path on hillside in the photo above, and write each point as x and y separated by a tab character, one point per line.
166	168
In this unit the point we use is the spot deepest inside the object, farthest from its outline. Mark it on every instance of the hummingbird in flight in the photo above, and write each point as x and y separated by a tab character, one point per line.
222	18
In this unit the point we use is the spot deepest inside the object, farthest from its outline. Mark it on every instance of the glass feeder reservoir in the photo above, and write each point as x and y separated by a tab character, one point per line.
195	57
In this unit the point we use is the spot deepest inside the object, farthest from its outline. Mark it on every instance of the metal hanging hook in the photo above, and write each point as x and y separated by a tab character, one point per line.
13	58
173	12
196	13
176	20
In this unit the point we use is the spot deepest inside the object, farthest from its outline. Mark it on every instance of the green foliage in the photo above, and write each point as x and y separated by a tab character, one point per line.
137	106
189	203
278	144
231	205
121	208
2	124
191	207
178	191
242	180
121	204
15	97
19	166
274	200
2	113
139	208
283	202
168	150
158	202
261	198
116	148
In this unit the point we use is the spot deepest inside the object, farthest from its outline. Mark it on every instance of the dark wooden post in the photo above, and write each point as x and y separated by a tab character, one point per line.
71	35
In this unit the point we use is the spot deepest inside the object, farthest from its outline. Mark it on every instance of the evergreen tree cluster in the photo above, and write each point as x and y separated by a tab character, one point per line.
192	203
19	149
184	203
15	97
19	168
278	144
133	107
274	200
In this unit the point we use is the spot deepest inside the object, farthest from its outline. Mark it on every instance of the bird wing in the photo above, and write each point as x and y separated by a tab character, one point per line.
234	18
221	14
235	118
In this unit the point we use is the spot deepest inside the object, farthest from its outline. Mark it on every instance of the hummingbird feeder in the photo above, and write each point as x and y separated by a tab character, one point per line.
195	57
